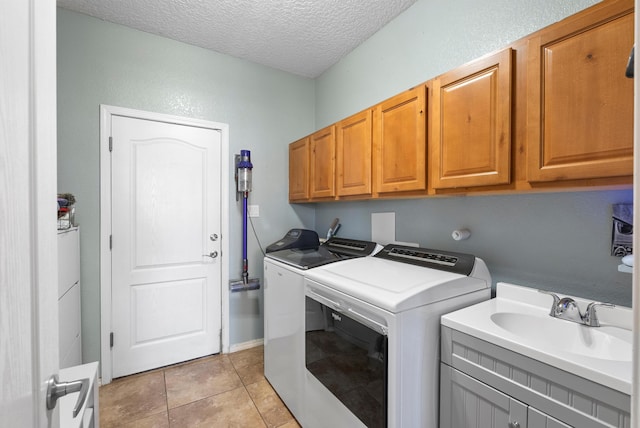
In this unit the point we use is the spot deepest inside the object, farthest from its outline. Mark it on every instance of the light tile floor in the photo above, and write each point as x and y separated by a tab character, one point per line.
218	391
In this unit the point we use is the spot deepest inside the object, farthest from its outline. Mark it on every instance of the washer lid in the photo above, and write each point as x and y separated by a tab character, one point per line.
333	250
394	286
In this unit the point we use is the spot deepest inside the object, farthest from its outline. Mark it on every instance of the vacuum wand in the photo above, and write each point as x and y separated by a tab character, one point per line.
245	261
243	174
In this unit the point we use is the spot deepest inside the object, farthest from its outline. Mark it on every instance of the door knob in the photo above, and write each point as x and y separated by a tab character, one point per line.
212	254
57	389
213	236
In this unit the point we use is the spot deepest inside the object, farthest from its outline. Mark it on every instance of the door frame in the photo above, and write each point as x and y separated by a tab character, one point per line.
106	114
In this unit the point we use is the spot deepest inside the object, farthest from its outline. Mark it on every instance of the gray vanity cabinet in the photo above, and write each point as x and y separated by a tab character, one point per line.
484	385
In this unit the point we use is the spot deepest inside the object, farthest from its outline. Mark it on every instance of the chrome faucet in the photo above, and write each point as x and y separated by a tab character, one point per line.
567	309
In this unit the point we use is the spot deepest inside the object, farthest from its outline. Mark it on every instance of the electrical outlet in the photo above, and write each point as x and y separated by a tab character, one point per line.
253	210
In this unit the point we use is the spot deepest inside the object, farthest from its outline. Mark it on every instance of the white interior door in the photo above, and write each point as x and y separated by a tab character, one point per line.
166	254
28	256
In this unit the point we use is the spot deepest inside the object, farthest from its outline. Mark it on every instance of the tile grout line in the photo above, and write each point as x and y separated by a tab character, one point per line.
166	396
247	391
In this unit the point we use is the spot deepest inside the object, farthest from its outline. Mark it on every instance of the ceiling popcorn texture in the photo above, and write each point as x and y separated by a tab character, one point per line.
303	37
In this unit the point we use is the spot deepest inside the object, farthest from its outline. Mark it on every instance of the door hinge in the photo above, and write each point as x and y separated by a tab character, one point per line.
110	144
111	340
220	336
110	242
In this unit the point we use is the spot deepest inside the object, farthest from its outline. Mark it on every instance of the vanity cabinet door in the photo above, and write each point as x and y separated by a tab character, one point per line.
580	104
299	170
471	124
468	403
400	143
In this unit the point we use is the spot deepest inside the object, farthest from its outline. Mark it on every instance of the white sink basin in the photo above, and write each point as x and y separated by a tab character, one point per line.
605	343
518	320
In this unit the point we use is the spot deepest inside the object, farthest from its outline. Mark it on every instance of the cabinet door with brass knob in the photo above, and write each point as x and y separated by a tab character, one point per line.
471	124
399	141
353	155
322	163
299	170
580	103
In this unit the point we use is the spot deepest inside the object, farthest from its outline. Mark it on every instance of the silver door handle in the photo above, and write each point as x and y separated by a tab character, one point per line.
212	254
57	389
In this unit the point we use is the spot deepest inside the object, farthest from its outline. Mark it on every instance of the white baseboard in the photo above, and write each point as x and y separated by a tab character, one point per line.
246	345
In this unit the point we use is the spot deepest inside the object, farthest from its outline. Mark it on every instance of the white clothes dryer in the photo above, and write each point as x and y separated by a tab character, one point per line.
374	362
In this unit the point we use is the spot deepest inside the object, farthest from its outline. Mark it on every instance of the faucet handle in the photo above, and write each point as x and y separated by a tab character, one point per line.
591	317
556	300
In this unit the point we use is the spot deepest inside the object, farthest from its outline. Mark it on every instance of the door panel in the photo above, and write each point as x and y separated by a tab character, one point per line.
165	205
28	262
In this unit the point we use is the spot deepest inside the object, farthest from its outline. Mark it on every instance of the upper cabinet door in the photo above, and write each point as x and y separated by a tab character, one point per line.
580	104
399	141
471	124
353	155
299	170
322	163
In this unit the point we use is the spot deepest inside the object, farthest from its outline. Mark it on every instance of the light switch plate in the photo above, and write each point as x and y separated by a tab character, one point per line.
253	210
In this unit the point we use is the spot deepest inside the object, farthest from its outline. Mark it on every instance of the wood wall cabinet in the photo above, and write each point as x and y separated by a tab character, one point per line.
580	104
322	163
399	142
552	111
471	124
353	155
299	170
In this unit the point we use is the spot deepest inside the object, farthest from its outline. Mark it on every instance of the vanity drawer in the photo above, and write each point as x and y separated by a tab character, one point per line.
571	399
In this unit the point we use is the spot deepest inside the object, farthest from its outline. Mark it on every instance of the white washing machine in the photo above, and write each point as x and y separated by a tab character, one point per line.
374	361
285	312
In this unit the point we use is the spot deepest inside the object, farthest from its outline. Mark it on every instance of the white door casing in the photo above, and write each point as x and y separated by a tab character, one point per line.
161	295
28	248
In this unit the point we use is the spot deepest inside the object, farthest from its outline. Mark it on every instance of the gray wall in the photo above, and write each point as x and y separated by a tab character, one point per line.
559	241
103	63
429	38
556	241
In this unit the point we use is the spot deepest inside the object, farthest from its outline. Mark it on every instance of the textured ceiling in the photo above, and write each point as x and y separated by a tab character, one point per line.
303	37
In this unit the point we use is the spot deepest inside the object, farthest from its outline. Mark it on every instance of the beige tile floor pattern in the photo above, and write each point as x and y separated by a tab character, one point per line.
219	391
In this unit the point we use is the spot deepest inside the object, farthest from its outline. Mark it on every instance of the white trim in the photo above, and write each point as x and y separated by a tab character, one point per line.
246	345
106	113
